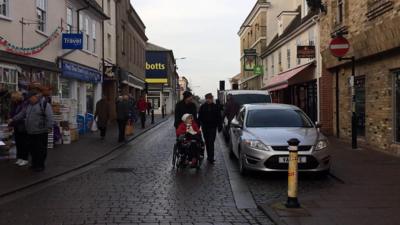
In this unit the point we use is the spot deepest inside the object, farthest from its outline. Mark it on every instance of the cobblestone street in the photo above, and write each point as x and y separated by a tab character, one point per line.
138	187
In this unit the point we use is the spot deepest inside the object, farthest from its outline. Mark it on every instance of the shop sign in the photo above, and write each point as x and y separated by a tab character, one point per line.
109	73
250	59
306	52
79	72
156	68
259	70
72	41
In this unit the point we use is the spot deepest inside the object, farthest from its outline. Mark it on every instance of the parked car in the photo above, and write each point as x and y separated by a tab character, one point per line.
242	97
259	136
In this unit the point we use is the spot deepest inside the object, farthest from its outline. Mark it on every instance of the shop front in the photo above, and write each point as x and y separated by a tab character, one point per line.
131	85
81	83
298	87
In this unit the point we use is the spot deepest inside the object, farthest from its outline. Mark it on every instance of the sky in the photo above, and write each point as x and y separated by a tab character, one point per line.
205	32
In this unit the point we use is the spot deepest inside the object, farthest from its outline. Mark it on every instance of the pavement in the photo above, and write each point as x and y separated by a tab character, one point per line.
65	158
139	186
367	192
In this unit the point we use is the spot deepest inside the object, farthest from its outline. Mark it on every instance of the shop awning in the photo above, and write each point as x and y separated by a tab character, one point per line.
281	80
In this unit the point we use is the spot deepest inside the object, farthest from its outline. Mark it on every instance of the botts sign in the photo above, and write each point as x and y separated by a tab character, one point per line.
156	67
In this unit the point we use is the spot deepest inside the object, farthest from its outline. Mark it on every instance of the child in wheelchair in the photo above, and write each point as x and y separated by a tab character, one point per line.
189	140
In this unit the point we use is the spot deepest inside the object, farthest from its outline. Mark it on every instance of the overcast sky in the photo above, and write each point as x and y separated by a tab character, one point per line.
205	32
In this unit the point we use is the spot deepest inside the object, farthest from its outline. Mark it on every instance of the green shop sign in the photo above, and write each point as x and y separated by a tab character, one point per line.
258	70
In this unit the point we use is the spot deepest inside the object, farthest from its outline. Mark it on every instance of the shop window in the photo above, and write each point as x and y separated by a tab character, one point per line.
90	98
4	7
69	20
65	88
41	14
8	78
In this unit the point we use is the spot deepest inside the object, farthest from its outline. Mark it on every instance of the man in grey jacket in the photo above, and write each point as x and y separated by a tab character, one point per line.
38	122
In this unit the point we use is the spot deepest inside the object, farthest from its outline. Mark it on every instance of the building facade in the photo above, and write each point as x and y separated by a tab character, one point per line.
162	78
81	70
131	50
252	35
289	79
372	29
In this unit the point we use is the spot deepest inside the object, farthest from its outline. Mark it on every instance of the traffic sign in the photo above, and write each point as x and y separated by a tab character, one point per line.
339	46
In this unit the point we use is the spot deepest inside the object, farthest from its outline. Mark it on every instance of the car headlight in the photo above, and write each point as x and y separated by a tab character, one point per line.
256	144
322	144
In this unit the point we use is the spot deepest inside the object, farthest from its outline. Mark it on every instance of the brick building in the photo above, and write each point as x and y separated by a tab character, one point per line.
372	28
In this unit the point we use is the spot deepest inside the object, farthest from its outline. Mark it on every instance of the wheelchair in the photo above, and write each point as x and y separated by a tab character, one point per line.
186	147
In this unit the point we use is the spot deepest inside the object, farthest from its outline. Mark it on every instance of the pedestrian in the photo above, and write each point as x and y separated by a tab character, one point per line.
102	115
231	109
142	106
185	106
38	123
122	116
149	108
210	121
19	104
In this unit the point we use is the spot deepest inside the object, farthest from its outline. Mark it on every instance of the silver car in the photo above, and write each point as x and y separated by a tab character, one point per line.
259	136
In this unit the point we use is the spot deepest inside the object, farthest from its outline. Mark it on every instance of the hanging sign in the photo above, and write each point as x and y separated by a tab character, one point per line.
72	41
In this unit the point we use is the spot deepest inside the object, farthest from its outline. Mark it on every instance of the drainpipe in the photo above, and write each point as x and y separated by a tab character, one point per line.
319	65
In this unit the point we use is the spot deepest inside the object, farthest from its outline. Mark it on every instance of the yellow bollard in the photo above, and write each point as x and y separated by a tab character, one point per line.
292	201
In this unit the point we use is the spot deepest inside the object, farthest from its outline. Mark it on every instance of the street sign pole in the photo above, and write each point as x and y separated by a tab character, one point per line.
339	47
353	102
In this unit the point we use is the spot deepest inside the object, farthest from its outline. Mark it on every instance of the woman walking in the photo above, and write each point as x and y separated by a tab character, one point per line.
18	104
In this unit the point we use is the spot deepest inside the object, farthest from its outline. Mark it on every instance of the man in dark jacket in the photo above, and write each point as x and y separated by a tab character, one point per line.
186	106
231	109
102	115
123	107
210	121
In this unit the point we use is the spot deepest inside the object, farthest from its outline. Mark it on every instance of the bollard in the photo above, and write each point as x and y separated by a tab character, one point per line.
292	201
152	116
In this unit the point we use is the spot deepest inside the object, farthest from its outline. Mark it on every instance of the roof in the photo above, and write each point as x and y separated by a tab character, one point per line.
269	106
155	48
296	23
94	5
259	4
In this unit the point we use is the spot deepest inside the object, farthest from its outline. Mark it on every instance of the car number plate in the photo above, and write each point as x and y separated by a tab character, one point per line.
301	159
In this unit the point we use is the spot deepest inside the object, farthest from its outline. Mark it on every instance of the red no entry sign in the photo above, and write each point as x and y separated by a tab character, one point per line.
339	46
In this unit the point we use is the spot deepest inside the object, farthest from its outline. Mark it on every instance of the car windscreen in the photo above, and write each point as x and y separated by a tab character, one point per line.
277	118
242	99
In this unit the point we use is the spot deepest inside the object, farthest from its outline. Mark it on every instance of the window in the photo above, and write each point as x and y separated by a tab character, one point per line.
109	8
305	8
94	36
298	43
311	37
81	23
109	53
41	14
69	20
87	36
397	109
8	78
288	58
280	61
340	12
273	65
4	7
278	118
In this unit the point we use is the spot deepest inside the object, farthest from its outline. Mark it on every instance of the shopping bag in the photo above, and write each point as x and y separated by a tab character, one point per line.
129	129
94	127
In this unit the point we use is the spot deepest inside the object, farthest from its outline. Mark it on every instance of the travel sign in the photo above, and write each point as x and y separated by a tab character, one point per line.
156	68
72	41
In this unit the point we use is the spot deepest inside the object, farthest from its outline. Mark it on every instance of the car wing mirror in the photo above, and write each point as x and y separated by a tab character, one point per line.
235	123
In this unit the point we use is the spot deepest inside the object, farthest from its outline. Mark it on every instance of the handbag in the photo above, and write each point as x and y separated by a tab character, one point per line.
94	127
